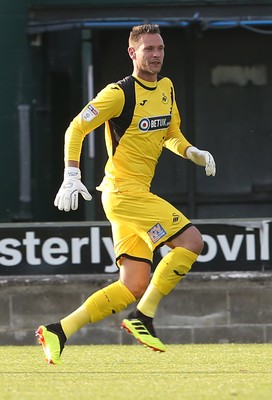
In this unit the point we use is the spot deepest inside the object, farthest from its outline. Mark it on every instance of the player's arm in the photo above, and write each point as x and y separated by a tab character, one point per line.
108	104
177	143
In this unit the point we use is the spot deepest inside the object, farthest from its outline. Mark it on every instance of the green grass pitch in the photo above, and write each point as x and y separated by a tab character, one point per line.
114	372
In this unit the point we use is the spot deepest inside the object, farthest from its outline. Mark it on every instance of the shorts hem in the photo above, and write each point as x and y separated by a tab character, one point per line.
133	258
175	235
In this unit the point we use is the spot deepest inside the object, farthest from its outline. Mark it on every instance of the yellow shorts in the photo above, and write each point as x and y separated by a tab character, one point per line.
140	223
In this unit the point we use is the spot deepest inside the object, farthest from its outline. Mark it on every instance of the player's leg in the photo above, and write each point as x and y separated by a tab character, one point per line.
186	244
134	279
143	332
171	269
107	301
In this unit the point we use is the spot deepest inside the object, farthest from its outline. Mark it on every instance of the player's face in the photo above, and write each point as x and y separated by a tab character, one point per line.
148	56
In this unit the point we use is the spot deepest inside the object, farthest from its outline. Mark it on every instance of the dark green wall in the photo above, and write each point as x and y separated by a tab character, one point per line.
16	87
28	76
47	76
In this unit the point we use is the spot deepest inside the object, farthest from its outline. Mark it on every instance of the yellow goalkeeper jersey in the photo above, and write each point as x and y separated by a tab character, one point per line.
140	119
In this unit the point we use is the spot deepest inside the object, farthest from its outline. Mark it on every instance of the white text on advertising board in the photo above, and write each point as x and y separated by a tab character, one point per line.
56	251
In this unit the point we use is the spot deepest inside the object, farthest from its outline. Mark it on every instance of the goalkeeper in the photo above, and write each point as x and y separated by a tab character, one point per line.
141	118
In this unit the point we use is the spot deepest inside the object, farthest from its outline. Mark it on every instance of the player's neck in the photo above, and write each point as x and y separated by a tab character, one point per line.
145	76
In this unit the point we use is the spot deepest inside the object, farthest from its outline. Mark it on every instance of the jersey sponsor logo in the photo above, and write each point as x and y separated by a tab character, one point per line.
154	123
89	113
156	233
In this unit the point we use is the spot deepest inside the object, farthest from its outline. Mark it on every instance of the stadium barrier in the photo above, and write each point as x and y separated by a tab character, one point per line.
48	269
87	247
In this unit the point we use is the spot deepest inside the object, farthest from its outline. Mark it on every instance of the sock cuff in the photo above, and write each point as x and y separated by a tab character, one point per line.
109	300
172	268
130	297
187	255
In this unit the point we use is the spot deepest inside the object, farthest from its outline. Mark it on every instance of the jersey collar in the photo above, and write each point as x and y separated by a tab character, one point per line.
145	84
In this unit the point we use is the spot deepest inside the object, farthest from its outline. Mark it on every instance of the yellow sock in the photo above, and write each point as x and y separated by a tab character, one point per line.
151	297
73	322
110	300
170	270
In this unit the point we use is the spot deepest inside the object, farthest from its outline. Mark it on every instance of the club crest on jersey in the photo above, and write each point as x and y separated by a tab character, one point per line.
175	218
156	233
154	123
89	113
164	99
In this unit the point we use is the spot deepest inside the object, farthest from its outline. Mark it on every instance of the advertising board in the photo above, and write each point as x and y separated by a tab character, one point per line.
87	248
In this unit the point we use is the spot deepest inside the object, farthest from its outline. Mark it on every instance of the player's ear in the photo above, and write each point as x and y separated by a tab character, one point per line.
131	52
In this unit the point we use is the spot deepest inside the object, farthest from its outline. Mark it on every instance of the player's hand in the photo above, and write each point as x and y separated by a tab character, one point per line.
67	196
203	158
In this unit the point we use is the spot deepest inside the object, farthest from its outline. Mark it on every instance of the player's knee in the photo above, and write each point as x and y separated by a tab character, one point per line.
197	244
195	241
191	239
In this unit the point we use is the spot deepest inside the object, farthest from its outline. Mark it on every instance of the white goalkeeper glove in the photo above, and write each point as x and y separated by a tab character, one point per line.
203	158
67	196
